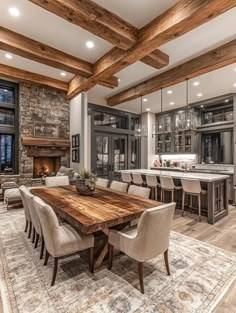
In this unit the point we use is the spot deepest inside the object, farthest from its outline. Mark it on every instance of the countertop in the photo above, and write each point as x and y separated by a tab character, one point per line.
198	170
188	175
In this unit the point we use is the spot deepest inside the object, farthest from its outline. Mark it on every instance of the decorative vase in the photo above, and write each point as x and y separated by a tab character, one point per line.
84	188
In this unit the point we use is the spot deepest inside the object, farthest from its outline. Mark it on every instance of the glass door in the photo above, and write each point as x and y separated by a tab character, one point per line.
111	155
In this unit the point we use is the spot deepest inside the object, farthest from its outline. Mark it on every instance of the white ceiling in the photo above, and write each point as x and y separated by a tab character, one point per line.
37	23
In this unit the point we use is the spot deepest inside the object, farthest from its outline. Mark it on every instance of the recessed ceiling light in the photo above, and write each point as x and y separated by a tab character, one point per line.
201	106
118	79
89	44
169	92
195	83
199	94
145	100
234	84
235	69
148	109
14	11
8	55
172	103
227	100
63	74
5	90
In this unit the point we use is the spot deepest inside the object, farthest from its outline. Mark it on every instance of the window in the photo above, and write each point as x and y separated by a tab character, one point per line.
8	127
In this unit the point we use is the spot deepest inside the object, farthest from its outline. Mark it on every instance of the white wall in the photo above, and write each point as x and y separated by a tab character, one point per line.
79	125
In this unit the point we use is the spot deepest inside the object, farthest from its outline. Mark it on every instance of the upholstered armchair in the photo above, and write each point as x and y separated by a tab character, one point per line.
146	241
61	240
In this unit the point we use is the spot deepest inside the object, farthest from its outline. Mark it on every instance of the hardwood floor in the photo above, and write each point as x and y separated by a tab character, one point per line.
222	235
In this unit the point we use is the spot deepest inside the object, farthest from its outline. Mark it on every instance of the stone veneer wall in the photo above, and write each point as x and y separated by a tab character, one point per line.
38	104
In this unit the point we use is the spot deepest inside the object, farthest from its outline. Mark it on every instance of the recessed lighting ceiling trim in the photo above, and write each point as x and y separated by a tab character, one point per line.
13	11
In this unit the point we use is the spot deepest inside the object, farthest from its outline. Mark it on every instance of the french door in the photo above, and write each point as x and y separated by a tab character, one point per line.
111	155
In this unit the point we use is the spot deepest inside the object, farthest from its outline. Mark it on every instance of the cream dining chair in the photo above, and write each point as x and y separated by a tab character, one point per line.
56	181
28	223
146	241
61	240
102	182
119	186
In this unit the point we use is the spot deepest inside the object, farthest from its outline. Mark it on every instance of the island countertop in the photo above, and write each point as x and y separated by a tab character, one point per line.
187	175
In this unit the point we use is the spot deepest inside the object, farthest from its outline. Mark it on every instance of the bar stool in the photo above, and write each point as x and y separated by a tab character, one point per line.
137	179
126	178
167	184
153	184
192	188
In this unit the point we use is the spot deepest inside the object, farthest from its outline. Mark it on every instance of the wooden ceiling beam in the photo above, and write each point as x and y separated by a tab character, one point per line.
29	77
39	52
175	22
102	23
205	63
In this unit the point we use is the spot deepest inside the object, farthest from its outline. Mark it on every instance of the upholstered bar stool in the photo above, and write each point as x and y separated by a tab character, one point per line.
167	184
119	186
193	188
153	184
126	178
137	179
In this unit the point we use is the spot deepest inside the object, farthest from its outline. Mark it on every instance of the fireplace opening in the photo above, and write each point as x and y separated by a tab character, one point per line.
46	166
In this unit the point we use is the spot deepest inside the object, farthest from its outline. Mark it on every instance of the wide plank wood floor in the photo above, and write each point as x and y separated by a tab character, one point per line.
222	235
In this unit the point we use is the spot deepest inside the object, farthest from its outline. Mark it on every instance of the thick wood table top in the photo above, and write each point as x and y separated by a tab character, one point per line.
106	208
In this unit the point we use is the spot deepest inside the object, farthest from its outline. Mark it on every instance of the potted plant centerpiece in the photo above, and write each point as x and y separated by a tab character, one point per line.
86	182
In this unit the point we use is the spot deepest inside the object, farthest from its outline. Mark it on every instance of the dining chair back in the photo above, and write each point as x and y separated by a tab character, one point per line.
102	182
119	186
57	181
142	192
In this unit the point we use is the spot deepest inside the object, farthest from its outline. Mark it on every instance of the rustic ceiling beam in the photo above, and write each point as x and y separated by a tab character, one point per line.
205	63
29	77
175	22
102	23
39	52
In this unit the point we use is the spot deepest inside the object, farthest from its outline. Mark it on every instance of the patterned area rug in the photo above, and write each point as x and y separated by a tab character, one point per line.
201	275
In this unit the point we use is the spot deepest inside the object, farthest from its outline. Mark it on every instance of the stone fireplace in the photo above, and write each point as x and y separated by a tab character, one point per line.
46	166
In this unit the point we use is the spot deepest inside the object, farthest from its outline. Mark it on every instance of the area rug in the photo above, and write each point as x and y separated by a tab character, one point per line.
200	275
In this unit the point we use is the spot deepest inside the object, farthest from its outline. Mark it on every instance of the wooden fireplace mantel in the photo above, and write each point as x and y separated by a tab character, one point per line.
45	142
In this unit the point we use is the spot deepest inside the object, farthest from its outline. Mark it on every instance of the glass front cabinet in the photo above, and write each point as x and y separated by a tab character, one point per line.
175	132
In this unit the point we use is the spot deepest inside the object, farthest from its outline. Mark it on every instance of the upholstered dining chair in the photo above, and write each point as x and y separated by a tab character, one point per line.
146	241
61	240
28	223
142	192
102	182
119	186
56	181
37	230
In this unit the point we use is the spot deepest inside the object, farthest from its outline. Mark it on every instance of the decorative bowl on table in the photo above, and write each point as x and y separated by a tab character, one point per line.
86	183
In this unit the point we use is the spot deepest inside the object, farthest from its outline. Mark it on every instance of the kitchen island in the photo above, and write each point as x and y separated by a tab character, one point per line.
214	204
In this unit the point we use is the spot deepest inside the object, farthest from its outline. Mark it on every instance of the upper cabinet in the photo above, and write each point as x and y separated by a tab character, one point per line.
175	132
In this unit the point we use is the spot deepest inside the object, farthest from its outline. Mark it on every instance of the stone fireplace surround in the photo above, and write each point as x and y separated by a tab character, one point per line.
39	104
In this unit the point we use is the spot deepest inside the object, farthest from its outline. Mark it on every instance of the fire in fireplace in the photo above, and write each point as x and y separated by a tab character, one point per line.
46	166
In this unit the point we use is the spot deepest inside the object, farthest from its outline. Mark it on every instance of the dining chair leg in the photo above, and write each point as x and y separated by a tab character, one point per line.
46	258
183	202
140	274
91	260
42	249
167	262
30	229
26	225
33	235
54	271
199	207
36	241
110	256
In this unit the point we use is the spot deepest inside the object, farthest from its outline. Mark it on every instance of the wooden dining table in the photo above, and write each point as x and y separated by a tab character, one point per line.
106	208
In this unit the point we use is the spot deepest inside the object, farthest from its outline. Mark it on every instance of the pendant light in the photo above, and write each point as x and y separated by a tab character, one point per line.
188	123
158	127
140	128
